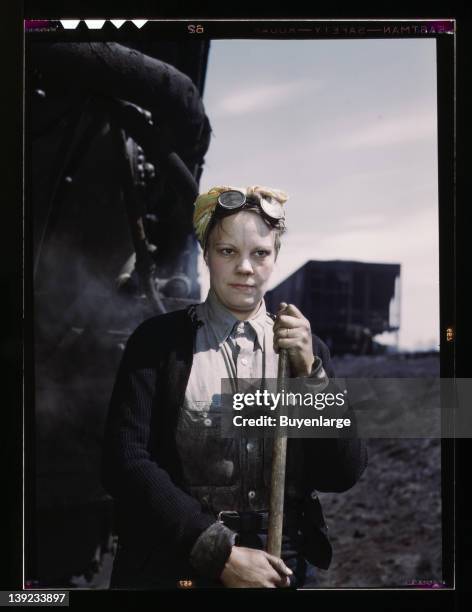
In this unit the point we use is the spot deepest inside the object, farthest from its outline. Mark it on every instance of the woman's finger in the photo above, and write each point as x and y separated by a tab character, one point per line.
279	565
290	343
291	334
283	581
286	321
291	309
285	332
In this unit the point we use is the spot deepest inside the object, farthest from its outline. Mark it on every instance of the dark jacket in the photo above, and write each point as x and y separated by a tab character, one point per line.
156	520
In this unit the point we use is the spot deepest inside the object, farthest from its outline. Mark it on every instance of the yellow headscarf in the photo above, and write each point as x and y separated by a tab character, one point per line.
206	203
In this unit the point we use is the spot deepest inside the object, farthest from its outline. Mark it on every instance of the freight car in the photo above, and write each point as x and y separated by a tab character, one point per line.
347	303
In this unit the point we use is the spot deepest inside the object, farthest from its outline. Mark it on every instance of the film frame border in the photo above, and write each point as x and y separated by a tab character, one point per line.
446	89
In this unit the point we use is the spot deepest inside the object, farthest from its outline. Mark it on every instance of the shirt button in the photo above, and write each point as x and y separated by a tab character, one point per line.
314	495
251	494
249	446
207	422
244	361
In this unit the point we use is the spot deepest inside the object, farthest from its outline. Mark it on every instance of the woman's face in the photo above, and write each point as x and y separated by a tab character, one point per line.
241	258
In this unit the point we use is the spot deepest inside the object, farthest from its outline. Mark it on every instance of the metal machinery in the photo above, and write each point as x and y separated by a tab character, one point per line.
115	146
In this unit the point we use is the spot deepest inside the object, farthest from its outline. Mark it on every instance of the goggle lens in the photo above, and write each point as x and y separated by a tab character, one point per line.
272	209
231	199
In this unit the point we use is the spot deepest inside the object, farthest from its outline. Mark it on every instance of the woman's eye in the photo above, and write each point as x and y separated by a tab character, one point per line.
262	253
226	251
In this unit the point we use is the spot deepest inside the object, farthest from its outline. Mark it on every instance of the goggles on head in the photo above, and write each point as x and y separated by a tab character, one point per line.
234	199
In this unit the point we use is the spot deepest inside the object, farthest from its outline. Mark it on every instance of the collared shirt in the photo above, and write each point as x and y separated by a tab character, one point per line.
226	347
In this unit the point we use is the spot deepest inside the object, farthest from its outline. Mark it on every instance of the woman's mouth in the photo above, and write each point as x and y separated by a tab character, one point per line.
245	288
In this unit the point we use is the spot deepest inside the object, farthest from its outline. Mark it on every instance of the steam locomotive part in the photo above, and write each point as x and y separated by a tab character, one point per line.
116	150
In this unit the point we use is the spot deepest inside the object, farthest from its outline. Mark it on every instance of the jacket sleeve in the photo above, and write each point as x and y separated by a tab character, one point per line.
150	502
333	464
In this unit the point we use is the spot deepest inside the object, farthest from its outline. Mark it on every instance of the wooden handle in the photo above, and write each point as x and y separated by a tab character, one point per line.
279	456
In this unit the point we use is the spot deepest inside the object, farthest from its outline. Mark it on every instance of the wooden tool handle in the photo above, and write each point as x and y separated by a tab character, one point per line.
279	455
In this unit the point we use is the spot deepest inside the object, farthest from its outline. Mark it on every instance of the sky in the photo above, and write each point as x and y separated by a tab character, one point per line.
348	129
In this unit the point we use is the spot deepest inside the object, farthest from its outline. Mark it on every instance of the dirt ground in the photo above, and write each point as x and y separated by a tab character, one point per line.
386	530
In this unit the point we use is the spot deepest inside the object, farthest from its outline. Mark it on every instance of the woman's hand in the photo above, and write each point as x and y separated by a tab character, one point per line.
253	568
292	331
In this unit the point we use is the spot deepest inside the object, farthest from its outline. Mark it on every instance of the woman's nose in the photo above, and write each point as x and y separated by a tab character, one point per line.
244	266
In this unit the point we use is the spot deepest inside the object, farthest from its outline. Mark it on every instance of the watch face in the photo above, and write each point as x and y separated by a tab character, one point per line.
231	199
272	208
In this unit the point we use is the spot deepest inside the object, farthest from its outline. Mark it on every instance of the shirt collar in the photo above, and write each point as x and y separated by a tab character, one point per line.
222	321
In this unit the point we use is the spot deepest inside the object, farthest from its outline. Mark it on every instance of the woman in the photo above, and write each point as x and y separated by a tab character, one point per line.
191	506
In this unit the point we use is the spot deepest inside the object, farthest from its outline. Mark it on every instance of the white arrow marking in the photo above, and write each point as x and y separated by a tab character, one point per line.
69	24
139	22
94	24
